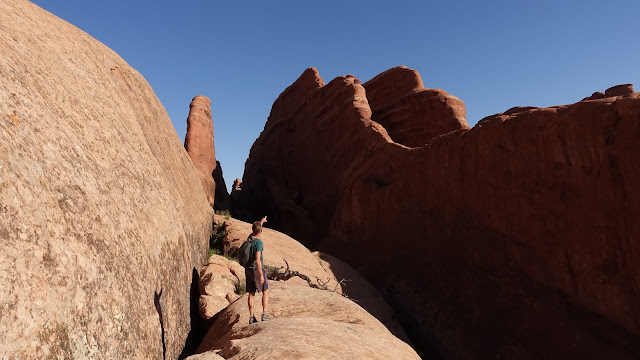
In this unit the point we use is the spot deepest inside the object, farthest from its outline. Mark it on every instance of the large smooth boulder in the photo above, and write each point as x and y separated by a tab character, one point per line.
218	284
103	220
305	323
514	238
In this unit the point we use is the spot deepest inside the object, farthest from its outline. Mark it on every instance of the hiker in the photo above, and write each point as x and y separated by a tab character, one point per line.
255	275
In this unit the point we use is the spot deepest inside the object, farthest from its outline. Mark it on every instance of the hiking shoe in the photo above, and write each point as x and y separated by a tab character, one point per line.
265	317
252	320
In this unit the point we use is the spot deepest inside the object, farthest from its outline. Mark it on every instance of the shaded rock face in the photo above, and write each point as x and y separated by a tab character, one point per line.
338	114
199	143
102	216
222	198
362	292
512	239
305	323
241	203
305	205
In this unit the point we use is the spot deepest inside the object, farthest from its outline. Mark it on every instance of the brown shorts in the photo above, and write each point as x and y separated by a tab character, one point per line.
253	281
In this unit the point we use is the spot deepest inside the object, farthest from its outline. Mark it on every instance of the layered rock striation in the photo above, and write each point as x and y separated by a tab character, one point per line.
103	220
514	238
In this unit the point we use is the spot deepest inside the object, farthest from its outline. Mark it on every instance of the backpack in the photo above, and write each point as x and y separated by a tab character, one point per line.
244	254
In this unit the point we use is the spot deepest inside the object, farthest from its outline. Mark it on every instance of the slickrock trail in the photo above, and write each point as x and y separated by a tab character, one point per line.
103	219
306	323
516	238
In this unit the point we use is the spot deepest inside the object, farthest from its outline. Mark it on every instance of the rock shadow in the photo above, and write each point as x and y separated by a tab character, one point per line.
156	301
199	326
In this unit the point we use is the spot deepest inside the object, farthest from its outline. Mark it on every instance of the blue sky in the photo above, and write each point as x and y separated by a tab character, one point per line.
242	54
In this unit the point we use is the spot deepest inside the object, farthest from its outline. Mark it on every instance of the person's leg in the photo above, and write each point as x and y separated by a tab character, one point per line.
250	303
265	300
251	289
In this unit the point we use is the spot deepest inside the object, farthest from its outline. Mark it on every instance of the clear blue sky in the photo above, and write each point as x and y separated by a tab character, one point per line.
242	54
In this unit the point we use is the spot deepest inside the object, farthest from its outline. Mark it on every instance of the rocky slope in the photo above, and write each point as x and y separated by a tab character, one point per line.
305	322
103	220
320	268
512	239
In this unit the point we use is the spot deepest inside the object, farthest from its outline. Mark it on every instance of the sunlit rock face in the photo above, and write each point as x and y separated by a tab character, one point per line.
103	219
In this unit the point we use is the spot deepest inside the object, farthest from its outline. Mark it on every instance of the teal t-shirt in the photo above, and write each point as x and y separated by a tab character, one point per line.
257	245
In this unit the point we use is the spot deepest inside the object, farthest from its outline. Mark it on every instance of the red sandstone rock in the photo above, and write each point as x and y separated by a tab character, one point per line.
595	96
518	109
411	114
513	239
199	143
338	111
293	96
619	90
237	183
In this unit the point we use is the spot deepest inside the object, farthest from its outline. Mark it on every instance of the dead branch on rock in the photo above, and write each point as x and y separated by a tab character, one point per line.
283	274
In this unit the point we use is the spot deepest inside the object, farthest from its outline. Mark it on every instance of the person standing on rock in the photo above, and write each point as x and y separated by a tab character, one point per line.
255	275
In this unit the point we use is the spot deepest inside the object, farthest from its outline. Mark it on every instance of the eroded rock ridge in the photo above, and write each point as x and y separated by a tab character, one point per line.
514	238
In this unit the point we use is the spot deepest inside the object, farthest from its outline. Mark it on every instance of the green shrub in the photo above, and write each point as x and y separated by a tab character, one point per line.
229	257
241	287
213	252
217	236
225	213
